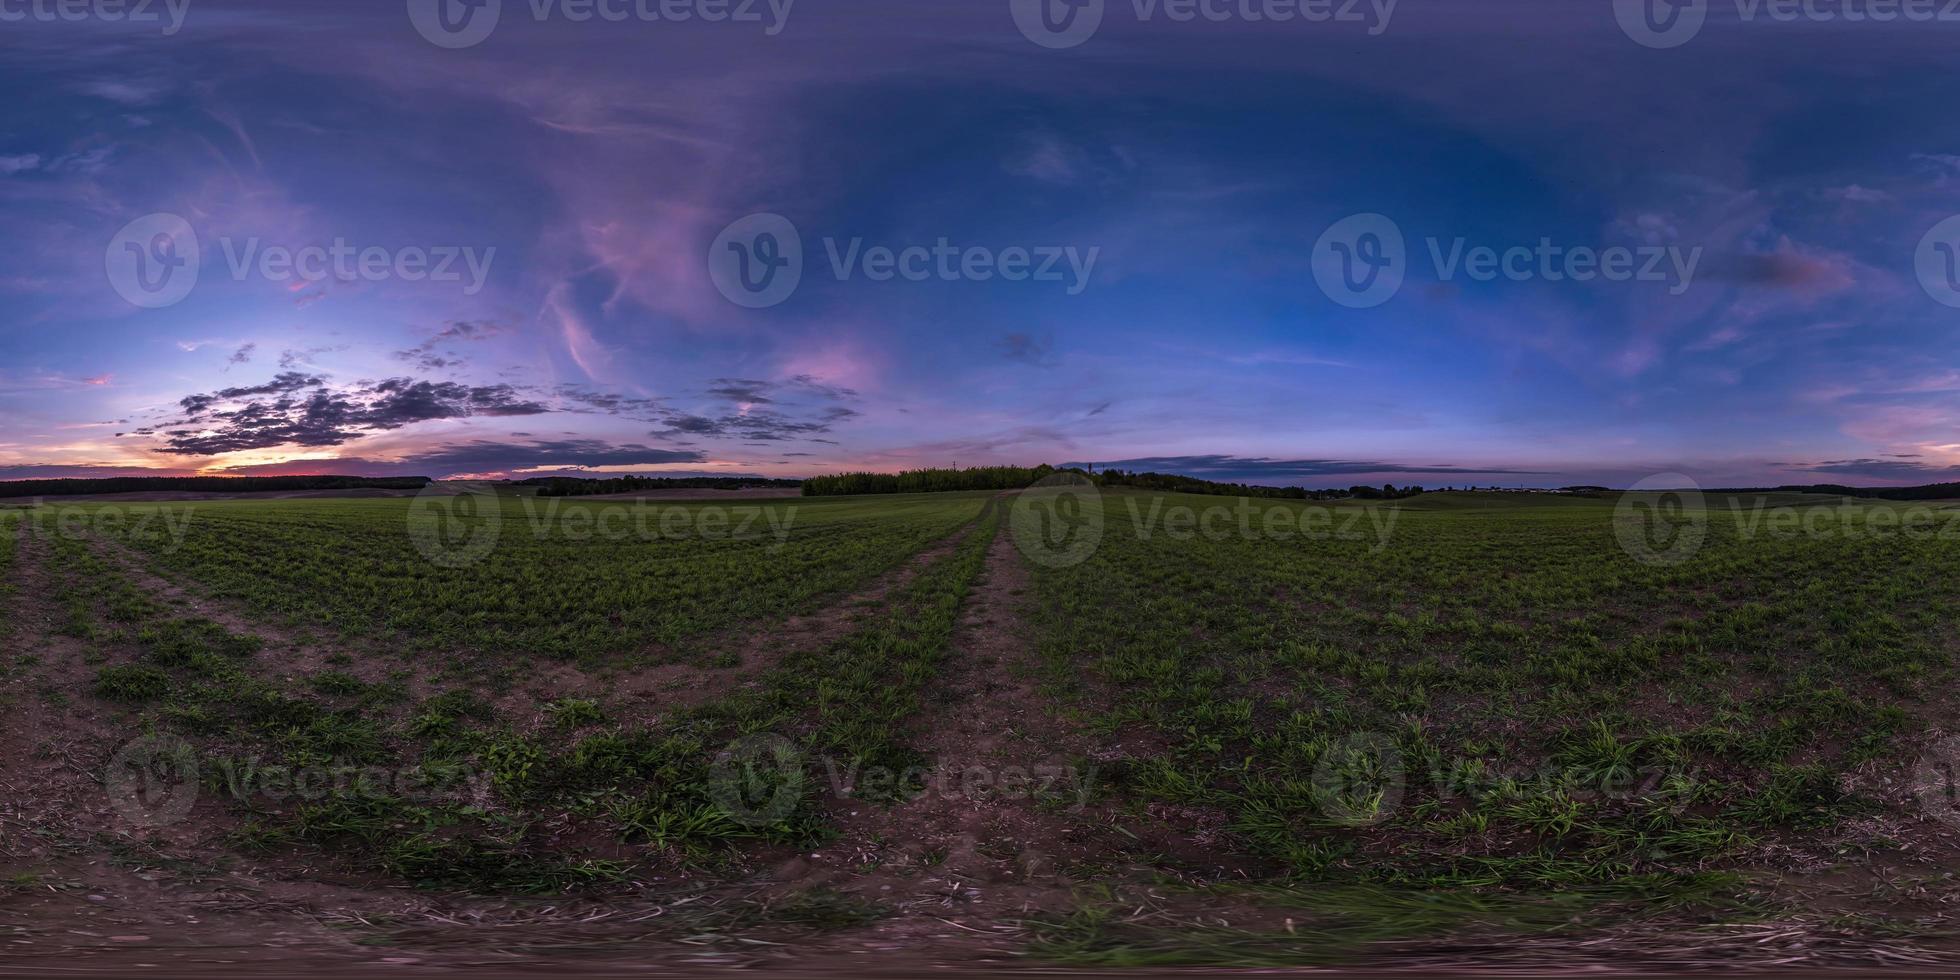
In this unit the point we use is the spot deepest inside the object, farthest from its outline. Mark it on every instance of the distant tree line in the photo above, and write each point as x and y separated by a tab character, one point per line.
207	484
927	481
1172	483
1934	491
567	486
1387	491
1021	477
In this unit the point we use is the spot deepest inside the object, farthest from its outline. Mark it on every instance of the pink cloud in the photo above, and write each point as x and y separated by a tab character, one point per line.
843	363
1901	425
591	356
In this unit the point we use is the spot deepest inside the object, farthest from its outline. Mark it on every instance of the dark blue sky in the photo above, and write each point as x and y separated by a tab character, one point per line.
1131	248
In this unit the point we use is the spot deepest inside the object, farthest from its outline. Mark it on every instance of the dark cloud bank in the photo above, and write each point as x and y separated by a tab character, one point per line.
297	409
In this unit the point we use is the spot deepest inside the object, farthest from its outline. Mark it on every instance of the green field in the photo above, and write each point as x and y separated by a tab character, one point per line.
1563	716
1232	732
571	578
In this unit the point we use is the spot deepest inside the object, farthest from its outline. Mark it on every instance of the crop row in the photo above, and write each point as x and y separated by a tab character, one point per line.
579	580
480	794
1507	697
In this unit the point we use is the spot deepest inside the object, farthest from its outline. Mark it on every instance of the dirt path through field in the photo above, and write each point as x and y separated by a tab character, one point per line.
52	738
741	657
642	690
1019	817
295	653
76	876
1008	794
79	884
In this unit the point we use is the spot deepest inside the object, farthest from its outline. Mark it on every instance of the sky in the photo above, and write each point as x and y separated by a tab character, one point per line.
407	238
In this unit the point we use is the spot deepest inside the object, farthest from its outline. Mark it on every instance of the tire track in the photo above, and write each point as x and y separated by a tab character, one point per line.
746	656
